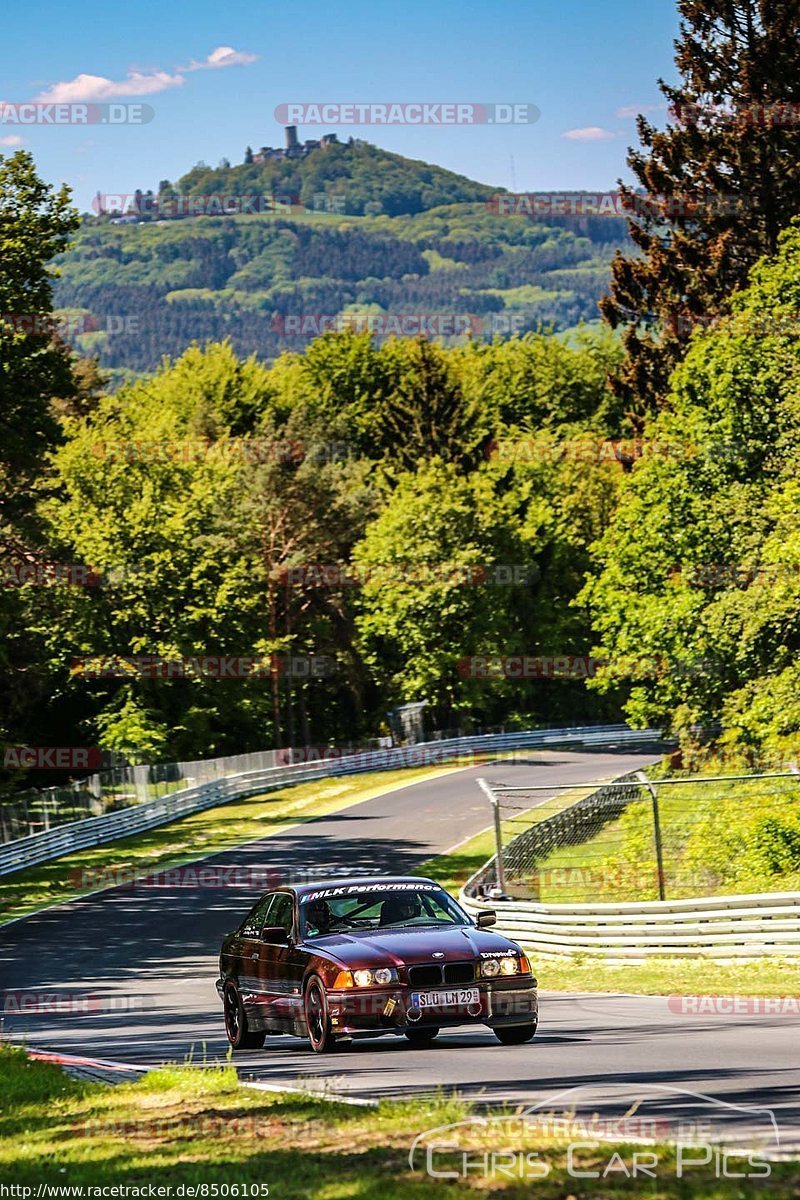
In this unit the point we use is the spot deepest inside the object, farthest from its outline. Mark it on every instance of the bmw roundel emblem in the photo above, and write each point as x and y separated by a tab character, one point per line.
437	954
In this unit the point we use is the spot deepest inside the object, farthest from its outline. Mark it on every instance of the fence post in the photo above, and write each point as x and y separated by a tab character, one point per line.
657	832
498	834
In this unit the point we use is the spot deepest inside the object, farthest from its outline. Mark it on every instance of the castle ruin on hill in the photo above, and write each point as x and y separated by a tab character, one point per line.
294	148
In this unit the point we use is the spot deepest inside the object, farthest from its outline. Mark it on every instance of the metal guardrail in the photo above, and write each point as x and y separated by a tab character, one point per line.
95	831
740	927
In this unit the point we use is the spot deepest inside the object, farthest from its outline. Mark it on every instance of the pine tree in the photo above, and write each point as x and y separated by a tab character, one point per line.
719	184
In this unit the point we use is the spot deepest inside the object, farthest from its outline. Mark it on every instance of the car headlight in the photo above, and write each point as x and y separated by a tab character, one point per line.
510	965
369	978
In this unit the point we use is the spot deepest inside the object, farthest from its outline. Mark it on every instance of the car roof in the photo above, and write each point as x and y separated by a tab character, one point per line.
337	881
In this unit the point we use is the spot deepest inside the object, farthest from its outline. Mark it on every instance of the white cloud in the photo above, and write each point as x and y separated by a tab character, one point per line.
12	140
593	133
85	88
223	56
633	110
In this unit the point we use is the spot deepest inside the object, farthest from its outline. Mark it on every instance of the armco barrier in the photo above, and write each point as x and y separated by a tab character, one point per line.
95	831
739	927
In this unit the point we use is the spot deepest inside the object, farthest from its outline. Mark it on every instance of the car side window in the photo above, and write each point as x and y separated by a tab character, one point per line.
255	920
281	911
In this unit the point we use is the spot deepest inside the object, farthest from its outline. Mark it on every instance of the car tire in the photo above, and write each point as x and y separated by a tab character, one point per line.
239	1035
318	1021
421	1038
515	1035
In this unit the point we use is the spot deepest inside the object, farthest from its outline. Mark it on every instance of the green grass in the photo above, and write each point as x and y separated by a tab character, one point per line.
199	1126
669	977
194	837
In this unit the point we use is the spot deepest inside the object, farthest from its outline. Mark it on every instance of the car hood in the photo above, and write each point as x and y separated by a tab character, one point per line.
395	947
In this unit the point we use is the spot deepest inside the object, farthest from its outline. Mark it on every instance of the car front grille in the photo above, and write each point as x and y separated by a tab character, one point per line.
453	972
424	976
459	972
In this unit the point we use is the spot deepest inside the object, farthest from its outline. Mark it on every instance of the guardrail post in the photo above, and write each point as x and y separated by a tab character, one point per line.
498	834
656	831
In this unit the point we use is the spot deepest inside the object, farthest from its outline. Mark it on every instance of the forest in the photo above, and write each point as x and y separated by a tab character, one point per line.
513	530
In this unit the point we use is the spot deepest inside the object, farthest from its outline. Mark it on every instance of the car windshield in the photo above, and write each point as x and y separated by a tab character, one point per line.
337	910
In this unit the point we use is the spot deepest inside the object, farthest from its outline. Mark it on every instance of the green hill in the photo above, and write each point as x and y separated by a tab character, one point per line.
345	230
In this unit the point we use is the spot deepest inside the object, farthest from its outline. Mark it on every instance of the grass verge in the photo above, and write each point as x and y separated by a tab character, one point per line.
667	977
183	1127
194	837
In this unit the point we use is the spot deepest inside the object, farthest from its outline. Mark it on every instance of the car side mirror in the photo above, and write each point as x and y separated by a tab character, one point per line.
275	935
487	917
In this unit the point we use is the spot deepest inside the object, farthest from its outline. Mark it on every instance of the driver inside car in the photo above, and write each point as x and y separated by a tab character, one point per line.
319	917
396	910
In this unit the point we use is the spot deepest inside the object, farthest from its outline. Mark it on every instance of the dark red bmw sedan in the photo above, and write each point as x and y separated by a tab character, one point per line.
362	957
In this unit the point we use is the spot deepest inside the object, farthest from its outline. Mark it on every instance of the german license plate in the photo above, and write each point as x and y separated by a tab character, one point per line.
450	998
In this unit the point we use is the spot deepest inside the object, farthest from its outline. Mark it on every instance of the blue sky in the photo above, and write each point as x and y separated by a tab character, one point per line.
584	64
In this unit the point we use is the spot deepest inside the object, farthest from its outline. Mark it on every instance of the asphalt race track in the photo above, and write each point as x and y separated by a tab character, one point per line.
143	961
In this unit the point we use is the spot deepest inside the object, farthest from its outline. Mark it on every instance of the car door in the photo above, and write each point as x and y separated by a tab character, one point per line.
245	950
281	966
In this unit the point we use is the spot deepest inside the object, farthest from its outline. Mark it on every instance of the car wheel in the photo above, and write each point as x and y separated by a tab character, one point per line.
318	1020
421	1037
239	1035
515	1035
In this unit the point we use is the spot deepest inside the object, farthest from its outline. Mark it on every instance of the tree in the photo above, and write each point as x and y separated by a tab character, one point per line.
486	563
35	371
141	483
719	184
701	563
425	413
35	225
248	156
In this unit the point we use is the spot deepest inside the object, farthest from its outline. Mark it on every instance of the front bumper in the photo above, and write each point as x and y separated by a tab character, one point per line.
509	1001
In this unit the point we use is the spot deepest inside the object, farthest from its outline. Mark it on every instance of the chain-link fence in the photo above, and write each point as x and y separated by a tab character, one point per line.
640	838
108	791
